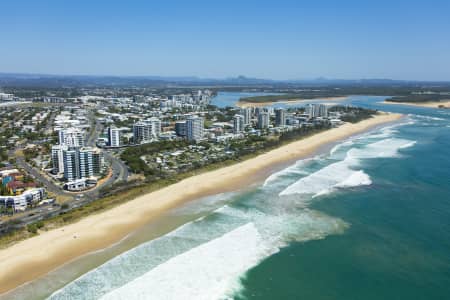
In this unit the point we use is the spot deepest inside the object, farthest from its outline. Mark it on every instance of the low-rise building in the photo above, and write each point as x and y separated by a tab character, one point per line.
21	202
80	184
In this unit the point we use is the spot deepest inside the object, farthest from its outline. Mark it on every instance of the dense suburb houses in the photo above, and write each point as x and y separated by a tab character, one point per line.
68	137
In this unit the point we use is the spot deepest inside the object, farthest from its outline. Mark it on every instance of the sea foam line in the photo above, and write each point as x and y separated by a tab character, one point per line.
294	169
342	174
236	240
208	271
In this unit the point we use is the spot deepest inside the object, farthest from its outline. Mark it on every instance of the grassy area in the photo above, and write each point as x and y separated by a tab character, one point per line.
19	152
61	199
15	236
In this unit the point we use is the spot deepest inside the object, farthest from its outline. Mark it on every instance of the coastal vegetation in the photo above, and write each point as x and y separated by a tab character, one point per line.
353	114
420	98
132	156
281	91
155	178
397	93
181	157
287	97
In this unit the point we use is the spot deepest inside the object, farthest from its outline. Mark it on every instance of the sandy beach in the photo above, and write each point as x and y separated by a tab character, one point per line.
37	256
434	104
244	104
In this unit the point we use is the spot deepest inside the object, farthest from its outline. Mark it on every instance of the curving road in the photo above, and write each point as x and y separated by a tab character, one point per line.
119	173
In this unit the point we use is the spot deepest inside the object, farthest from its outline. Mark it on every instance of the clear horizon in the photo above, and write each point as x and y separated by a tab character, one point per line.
287	40
213	78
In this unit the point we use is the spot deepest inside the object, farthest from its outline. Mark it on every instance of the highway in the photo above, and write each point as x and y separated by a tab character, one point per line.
119	173
49	185
119	169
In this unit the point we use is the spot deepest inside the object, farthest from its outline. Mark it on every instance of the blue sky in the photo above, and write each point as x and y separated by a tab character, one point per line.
265	39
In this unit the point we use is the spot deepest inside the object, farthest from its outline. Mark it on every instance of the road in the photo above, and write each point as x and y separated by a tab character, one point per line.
119	173
52	187
94	133
32	215
119	169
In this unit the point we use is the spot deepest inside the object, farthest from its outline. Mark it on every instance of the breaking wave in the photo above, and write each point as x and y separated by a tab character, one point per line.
208	255
345	173
297	168
423	117
204	272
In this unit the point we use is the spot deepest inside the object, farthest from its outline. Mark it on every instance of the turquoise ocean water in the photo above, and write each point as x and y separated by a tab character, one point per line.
368	218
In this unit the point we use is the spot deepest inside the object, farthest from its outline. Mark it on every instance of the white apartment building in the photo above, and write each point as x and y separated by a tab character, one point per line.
71	164
20	202
58	158
72	137
247	113
6	97
113	137
194	128
263	120
82	163
316	110
238	123
146	131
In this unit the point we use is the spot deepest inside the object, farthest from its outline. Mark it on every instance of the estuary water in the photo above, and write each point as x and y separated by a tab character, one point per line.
368	218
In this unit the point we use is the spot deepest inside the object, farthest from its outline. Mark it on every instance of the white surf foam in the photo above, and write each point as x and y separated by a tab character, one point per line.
341	145
355	179
206	256
324	180
213	269
388	147
381	149
205	204
388	131
294	169
342	174
384	133
429	118
139	260
206	272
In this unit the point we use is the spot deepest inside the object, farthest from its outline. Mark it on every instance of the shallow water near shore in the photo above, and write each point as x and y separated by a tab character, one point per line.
367	219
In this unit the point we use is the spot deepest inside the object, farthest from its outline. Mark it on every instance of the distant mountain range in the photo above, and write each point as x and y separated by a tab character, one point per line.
46	80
